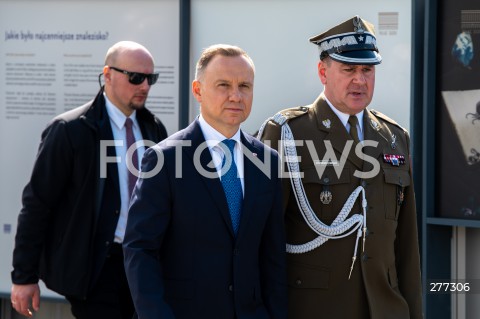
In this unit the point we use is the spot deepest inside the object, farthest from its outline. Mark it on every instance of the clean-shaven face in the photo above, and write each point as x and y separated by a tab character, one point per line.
225	92
348	87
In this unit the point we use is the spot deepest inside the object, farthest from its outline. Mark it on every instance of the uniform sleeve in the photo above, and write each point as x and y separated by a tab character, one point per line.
407	253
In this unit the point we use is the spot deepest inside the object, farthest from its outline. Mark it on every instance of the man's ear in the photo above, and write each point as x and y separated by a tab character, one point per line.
322	71
106	73
196	86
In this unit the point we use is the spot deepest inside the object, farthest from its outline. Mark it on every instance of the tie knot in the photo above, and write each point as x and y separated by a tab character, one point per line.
230	144
128	123
353	120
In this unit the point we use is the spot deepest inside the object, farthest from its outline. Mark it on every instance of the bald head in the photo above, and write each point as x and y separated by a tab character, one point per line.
122	48
123	59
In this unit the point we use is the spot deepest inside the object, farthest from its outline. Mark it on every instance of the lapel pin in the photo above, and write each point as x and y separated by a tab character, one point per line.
375	125
327	123
394	141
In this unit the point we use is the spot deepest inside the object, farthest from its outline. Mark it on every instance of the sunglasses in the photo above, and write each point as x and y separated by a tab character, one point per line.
137	78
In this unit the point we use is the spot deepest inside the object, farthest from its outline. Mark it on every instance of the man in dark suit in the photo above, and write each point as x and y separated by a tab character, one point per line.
202	242
349	204
75	206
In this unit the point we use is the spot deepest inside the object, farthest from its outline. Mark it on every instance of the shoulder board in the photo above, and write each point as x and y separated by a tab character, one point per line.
386	118
285	115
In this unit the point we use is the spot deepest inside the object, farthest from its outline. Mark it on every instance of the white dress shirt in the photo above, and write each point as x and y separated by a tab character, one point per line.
117	122
213	138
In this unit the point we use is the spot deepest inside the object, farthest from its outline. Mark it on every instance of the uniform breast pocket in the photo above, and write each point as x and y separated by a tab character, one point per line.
303	276
324	192
396	180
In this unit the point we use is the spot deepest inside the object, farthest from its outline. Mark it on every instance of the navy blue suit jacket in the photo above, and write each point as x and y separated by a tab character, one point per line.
182	258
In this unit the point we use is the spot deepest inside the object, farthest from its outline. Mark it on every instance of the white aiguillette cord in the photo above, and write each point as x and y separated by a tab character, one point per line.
341	227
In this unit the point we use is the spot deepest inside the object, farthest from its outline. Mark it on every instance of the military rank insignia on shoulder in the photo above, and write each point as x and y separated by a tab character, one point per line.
285	115
387	119
294	112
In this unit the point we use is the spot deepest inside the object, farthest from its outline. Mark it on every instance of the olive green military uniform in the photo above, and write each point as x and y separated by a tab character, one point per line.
385	280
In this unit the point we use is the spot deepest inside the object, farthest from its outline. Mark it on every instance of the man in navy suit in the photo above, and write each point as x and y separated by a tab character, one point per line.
190	252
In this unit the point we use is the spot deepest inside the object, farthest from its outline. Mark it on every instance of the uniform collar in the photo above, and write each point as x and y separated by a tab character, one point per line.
343	117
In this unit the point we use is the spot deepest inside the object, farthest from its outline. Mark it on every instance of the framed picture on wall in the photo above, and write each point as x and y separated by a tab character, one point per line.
458	110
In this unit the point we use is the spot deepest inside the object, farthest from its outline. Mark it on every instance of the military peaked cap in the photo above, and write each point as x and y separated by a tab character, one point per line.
351	42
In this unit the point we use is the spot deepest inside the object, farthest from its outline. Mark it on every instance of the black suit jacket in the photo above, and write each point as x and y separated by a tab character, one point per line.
69	213
181	255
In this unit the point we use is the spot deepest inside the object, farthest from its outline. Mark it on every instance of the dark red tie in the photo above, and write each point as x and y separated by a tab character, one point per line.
132	179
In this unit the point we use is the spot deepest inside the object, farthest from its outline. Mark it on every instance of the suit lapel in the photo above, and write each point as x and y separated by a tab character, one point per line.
251	180
328	122
212	182
106	134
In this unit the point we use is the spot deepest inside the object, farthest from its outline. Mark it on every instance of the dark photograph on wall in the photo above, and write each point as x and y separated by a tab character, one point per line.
458	113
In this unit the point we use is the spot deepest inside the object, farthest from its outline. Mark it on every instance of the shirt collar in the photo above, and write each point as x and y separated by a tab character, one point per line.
343	117
212	136
117	116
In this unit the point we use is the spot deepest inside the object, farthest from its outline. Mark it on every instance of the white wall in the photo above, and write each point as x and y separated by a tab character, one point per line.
275	34
23	88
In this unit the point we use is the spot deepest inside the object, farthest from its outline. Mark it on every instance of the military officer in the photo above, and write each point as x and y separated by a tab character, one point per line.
349	201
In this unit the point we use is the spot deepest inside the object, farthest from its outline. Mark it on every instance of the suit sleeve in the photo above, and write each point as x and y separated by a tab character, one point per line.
273	255
148	219
407	254
49	179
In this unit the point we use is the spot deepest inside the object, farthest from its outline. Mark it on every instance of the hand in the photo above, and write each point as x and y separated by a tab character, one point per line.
24	295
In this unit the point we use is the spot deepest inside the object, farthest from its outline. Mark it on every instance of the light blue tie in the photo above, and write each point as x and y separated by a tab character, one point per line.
231	183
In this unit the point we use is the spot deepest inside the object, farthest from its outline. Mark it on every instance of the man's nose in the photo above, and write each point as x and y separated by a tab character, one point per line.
360	77
235	95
